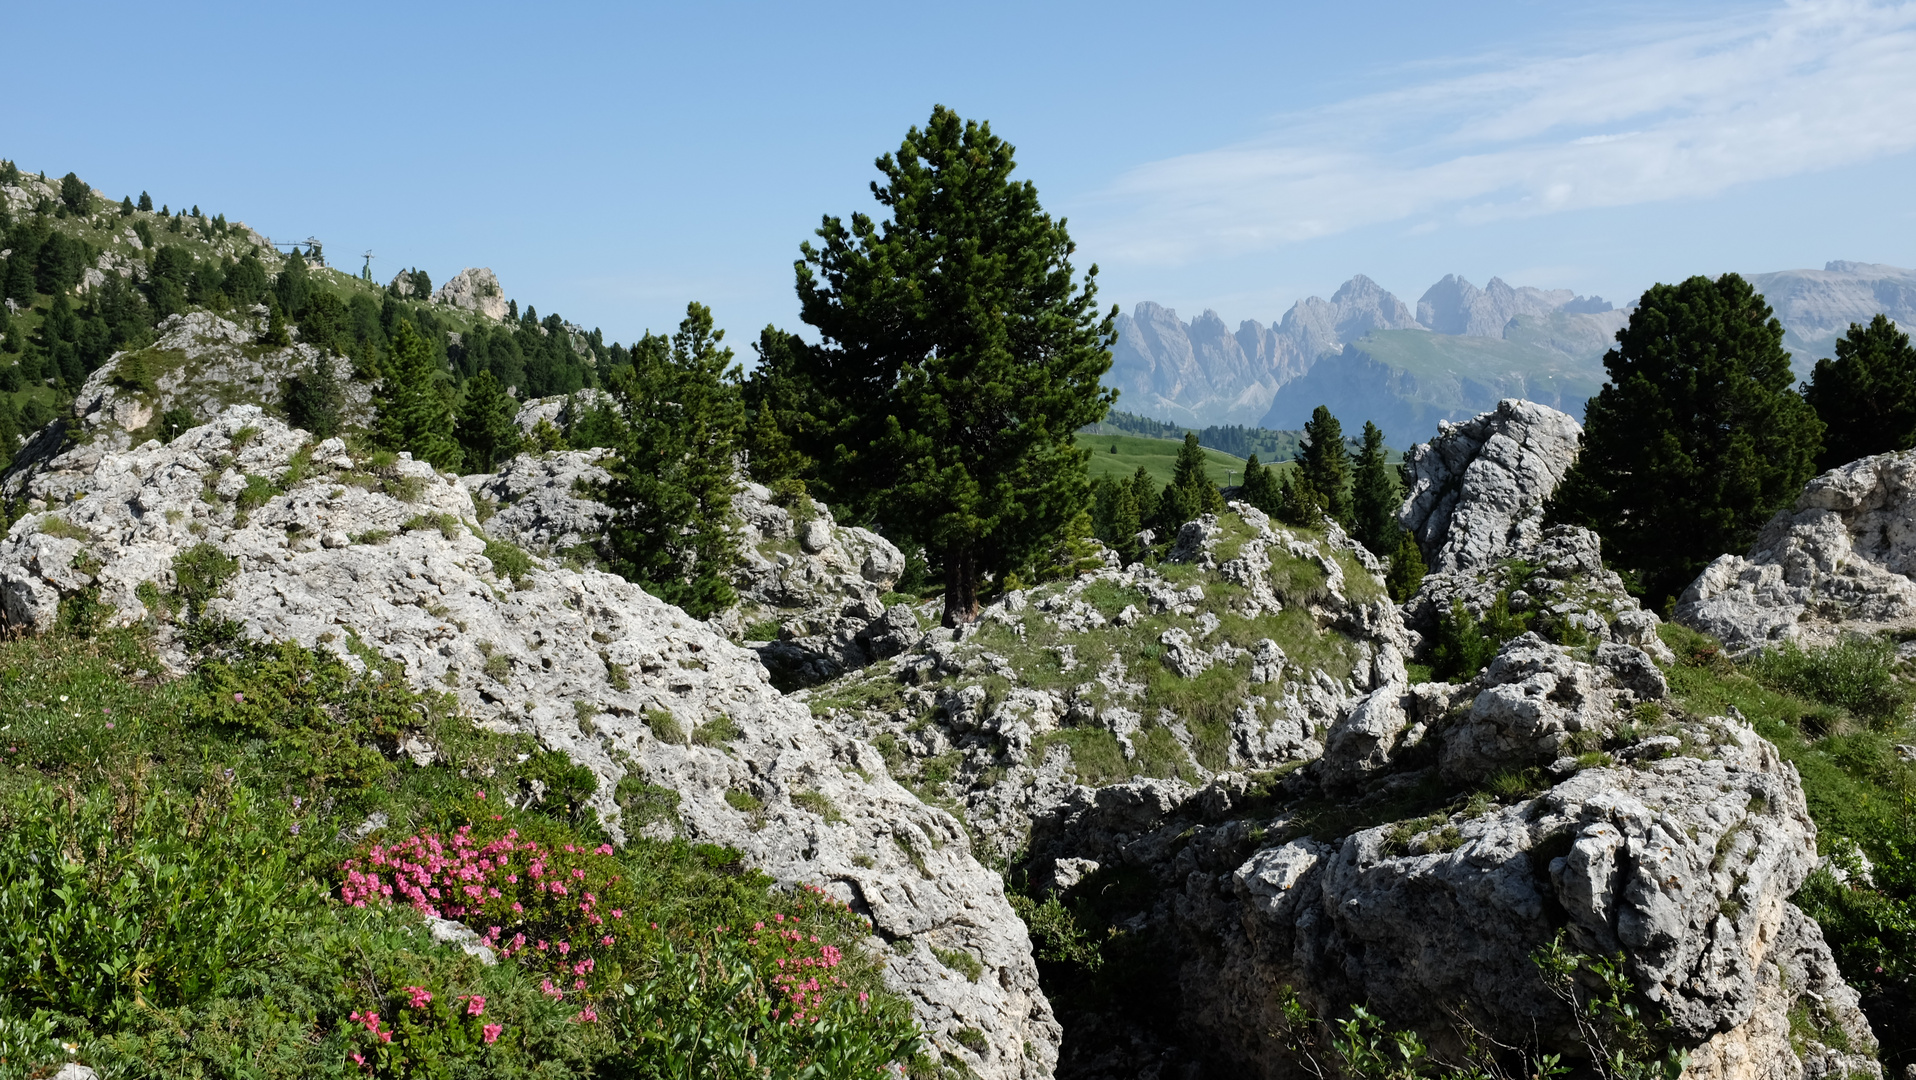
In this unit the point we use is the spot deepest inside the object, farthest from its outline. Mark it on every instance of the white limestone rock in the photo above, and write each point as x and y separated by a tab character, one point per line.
541	501
1683	860
1477	490
1840	559
576	658
474	289
201	363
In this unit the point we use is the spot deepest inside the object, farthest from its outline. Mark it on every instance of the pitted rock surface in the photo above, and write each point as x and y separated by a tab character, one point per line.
575	658
201	363
1839	560
1477	490
1050	693
823	585
541	500
1684	861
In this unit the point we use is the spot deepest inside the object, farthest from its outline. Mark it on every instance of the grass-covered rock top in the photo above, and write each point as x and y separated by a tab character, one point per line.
1233	653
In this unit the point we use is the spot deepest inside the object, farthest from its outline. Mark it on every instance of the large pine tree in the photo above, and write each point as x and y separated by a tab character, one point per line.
678	420
1696	439
1324	465
1866	396
1374	496
960	353
488	427
415	412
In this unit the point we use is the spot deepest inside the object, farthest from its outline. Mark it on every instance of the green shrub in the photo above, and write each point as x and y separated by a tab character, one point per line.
960	961
665	726
1854	674
54	525
508	559
717	731
257	492
199	573
708	1010
818	803
323	722
120	899
568	786
641	803
449	525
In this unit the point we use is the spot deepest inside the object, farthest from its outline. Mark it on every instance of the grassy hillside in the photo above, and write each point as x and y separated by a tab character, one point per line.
1158	456
185	891
1524	358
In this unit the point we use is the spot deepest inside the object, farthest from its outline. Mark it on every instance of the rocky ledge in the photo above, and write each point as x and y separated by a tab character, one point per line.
315	545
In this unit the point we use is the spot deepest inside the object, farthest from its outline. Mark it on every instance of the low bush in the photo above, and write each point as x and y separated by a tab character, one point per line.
173	901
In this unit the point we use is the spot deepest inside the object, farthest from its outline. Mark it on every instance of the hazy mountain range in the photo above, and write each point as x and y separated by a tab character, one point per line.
1369	356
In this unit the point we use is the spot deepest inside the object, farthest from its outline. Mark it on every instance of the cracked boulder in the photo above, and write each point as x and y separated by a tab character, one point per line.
335	552
1840	560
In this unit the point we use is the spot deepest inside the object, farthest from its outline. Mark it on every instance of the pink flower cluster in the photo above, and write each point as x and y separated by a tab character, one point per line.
525	899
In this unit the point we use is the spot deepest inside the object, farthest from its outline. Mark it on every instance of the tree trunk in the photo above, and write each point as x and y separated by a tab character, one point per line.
961	586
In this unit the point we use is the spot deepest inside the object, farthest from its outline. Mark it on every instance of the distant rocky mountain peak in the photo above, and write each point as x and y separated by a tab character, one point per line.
1369	356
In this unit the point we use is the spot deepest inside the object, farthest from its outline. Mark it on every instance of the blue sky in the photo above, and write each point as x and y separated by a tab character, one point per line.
612	162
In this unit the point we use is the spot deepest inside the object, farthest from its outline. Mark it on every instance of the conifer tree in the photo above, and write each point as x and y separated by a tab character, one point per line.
488	423
959	357
1866	396
1126	521
275	334
1374	496
1324	464
416	408
1407	567
126	207
314	398
76	195
1261	486
1190	494
1299	502
1144	491
777	393
1696	439
294	286
679	423
146	202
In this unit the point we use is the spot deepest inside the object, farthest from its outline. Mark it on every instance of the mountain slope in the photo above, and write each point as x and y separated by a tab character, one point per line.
1367	356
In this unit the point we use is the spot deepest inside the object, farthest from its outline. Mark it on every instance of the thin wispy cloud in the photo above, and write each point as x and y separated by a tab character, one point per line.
1682	110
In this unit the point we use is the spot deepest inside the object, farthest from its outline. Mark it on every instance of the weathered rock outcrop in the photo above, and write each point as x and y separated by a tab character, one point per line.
1839	560
1477	490
473	289
1677	842
560	410
333	555
813	591
1476	508
201	364
541	503
1236	654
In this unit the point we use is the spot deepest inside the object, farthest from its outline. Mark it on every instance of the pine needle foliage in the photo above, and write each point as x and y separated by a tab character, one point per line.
960	352
488	427
678	420
1697	437
1324	464
1866	395
416	411
1374	496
